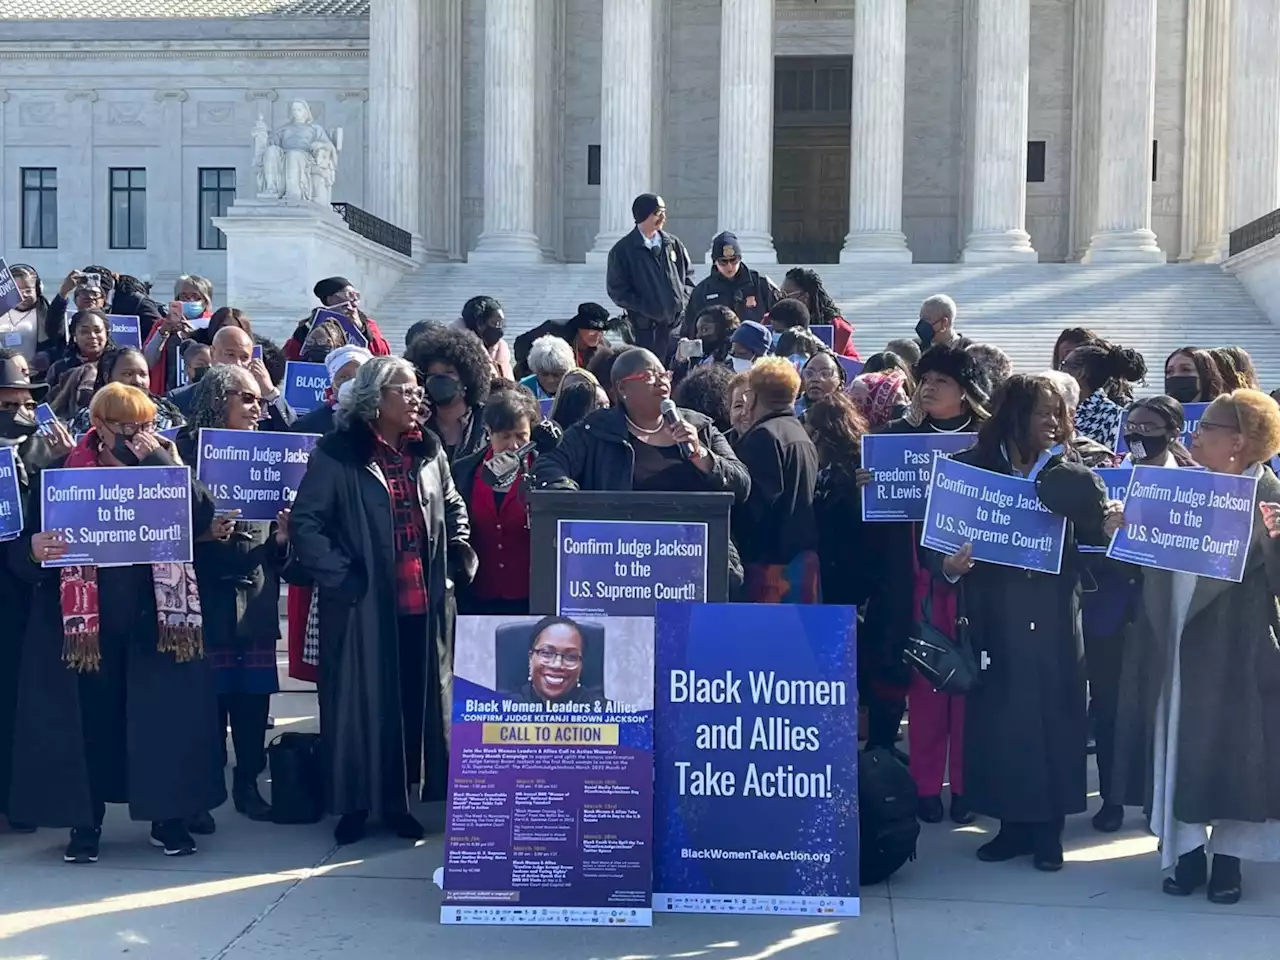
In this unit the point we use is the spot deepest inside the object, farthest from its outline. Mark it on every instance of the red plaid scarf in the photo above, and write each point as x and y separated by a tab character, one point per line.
408	532
179	623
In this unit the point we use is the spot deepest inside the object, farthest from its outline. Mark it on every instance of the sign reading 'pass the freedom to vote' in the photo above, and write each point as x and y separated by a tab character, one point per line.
1001	517
254	471
1190	521
116	516
620	568
901	466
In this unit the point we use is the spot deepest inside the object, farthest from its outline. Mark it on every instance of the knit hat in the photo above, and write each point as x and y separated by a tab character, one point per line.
754	336
339	358
590	316
645	206
725	246
329	286
961	366
878	395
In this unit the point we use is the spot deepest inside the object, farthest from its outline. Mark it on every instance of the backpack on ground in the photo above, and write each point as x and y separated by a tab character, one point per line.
297	785
887	824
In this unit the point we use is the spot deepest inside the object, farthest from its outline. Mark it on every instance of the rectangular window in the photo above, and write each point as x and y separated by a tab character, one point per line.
1035	161
217	193
128	208
1155	159
593	164
40	207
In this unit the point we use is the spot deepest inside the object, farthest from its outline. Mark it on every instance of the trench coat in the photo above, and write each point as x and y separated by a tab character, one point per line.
1026	722
341	535
1229	739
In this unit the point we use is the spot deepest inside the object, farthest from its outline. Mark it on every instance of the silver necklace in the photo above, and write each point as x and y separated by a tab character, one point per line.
648	433
960	429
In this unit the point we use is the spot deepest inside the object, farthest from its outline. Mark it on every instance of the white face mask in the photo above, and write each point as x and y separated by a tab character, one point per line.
740	365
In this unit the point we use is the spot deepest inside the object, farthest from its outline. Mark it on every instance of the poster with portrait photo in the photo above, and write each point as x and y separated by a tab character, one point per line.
550	812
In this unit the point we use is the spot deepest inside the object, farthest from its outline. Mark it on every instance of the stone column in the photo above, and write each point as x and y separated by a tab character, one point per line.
1122	229
626	118
745	191
1001	52
510	134
1086	106
877	132
1253	152
394	158
1204	161
440	135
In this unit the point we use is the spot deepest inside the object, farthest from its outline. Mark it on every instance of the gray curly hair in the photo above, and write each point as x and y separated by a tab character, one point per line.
359	401
209	400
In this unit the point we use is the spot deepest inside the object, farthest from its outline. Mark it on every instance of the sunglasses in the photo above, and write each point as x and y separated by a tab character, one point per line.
728	261
247	398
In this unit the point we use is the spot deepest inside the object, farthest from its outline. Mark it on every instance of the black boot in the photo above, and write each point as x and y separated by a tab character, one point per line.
1189	875
929	809
248	801
1012	841
1109	819
960	812
350	827
1224	882
1046	846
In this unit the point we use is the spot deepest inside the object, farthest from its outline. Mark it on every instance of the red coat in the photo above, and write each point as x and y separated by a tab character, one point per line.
842	334
500	538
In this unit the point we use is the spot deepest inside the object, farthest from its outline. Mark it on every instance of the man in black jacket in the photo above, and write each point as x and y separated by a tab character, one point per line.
649	276
731	284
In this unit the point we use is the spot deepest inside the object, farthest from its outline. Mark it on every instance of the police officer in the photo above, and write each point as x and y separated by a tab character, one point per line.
731	284
649	276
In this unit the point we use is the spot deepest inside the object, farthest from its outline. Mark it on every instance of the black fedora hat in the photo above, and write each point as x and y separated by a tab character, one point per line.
14	376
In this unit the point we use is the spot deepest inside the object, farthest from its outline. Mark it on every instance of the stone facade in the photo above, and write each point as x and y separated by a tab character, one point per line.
418	154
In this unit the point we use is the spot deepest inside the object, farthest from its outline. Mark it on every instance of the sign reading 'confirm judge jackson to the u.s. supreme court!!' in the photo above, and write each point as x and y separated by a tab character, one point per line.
999	515
254	471
621	568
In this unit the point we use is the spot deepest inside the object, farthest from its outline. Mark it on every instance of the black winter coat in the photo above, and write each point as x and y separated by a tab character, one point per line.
776	523
1229	737
1026	723
320	420
15	601
341	535
594	454
652	286
749	294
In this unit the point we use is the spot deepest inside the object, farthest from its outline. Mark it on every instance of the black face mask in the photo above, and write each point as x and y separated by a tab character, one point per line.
16	426
1183	389
1144	447
490	335
442	389
711	344
198	373
120	450
924	330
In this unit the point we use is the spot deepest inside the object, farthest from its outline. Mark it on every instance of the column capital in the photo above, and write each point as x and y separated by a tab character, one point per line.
271	96
179	95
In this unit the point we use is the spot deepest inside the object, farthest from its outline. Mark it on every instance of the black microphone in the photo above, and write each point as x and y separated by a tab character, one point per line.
671	416
500	470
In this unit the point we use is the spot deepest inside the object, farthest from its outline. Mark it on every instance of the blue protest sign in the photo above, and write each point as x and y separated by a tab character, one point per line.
117	516
621	568
1191	521
1192	411
10	495
902	464
999	515
824	332
9	295
305	384
1117	481
171	433
756	759
45	415
354	336
545	406
852	367
125	331
254	471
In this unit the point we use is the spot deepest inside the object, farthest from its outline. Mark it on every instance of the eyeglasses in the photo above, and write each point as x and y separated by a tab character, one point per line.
408	391
548	657
815	373
12	406
131	429
650	377
1211	426
246	397
728	261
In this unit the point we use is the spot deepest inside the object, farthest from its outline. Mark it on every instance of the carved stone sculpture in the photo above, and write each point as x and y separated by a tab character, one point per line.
297	161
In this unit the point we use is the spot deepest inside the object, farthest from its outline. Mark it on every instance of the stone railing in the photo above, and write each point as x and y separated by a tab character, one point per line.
375	229
1252	234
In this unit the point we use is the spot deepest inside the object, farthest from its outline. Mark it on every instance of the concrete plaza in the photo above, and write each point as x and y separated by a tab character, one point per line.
264	891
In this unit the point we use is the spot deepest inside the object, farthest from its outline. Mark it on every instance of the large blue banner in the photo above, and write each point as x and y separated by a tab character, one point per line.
1192	411
902	464
116	516
999	515
621	568
254	471
1191	521
1117	481
125	331
10	495
305	385
756	759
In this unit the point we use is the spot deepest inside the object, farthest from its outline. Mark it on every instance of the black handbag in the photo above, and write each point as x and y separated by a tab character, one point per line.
949	665
297	787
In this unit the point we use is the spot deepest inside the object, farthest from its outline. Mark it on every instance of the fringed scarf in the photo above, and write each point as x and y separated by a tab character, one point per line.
179	623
